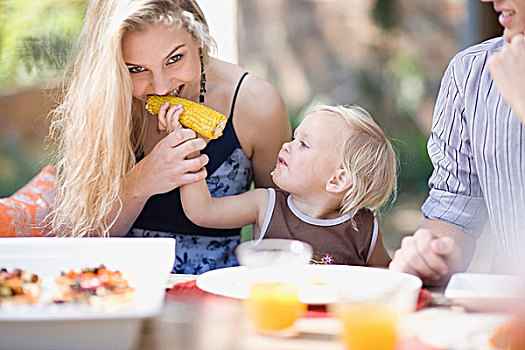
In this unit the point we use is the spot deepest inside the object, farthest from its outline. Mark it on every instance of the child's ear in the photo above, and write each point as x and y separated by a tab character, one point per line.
340	182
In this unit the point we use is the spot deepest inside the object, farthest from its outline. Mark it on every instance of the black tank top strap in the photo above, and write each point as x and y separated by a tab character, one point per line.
236	93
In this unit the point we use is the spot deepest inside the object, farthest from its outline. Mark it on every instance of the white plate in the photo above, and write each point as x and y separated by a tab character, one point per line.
485	292
146	262
461	331
318	284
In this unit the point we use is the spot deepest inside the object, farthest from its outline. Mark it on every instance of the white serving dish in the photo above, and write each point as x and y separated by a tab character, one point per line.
146	262
319	284
485	292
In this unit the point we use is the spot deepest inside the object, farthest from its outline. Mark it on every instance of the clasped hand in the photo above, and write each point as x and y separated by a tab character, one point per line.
175	160
428	256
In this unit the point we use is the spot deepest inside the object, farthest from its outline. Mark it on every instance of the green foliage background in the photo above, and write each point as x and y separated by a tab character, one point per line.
36	37
35	40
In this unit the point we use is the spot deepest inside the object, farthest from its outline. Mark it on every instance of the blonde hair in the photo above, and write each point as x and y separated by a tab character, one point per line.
367	156
99	128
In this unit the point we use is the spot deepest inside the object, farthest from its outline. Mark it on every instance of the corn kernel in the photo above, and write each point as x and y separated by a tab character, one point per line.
201	119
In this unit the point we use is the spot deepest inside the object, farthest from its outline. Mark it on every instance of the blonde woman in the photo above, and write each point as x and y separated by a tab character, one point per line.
118	170
337	170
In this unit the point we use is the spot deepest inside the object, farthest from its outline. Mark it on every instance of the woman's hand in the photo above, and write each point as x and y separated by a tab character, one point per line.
168	166
175	160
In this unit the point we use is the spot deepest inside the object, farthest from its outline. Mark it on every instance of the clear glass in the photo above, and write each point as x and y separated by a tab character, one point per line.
368	322
273	252
273	303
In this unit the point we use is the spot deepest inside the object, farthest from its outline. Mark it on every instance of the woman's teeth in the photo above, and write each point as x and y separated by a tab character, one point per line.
175	93
507	13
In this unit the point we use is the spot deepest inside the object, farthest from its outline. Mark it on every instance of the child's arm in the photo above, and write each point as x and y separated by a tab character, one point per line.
225	212
379	257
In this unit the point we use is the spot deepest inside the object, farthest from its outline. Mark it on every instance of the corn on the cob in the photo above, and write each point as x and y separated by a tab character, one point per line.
201	119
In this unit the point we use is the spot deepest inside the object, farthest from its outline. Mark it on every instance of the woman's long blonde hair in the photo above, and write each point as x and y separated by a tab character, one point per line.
99	128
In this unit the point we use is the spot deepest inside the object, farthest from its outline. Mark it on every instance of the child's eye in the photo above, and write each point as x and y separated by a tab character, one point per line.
174	59
303	144
137	69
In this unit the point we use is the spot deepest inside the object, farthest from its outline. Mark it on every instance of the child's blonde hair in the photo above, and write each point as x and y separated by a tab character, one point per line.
368	158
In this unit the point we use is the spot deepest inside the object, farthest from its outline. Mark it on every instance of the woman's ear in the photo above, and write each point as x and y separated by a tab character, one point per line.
340	182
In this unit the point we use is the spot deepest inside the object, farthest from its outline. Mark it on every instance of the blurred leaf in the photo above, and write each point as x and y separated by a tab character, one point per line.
35	39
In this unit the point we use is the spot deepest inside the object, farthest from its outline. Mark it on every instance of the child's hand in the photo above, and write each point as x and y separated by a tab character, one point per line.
169	121
168	117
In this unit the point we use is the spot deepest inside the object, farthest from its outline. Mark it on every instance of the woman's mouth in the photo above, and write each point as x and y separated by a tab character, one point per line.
177	92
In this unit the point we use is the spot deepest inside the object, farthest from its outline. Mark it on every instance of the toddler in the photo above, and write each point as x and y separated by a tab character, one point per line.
338	169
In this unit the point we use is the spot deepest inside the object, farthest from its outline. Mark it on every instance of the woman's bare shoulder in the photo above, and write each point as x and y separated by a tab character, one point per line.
261	100
256	95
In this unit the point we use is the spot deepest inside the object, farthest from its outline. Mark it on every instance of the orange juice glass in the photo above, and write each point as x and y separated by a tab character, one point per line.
273	306
368	326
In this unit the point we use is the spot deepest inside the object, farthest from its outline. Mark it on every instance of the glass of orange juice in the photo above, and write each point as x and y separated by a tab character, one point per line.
273	306
273	303
368	321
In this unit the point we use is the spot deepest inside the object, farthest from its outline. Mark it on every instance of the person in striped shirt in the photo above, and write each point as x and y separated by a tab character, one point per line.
477	148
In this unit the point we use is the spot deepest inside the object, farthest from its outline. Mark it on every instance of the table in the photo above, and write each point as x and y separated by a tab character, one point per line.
182	323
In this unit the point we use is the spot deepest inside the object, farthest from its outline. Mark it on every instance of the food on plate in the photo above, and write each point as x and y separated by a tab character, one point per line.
19	287
94	286
199	118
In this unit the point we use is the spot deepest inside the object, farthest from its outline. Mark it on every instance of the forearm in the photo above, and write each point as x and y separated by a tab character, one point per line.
197	202
222	212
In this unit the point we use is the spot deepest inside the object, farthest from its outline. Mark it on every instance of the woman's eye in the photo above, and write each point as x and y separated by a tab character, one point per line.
137	69
174	59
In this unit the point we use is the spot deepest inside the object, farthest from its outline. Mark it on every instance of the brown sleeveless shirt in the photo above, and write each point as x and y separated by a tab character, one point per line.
335	241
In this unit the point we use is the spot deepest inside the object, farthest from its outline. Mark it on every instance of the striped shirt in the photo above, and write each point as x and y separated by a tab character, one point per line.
476	148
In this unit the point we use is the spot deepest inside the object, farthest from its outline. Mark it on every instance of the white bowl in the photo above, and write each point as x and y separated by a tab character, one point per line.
146	262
